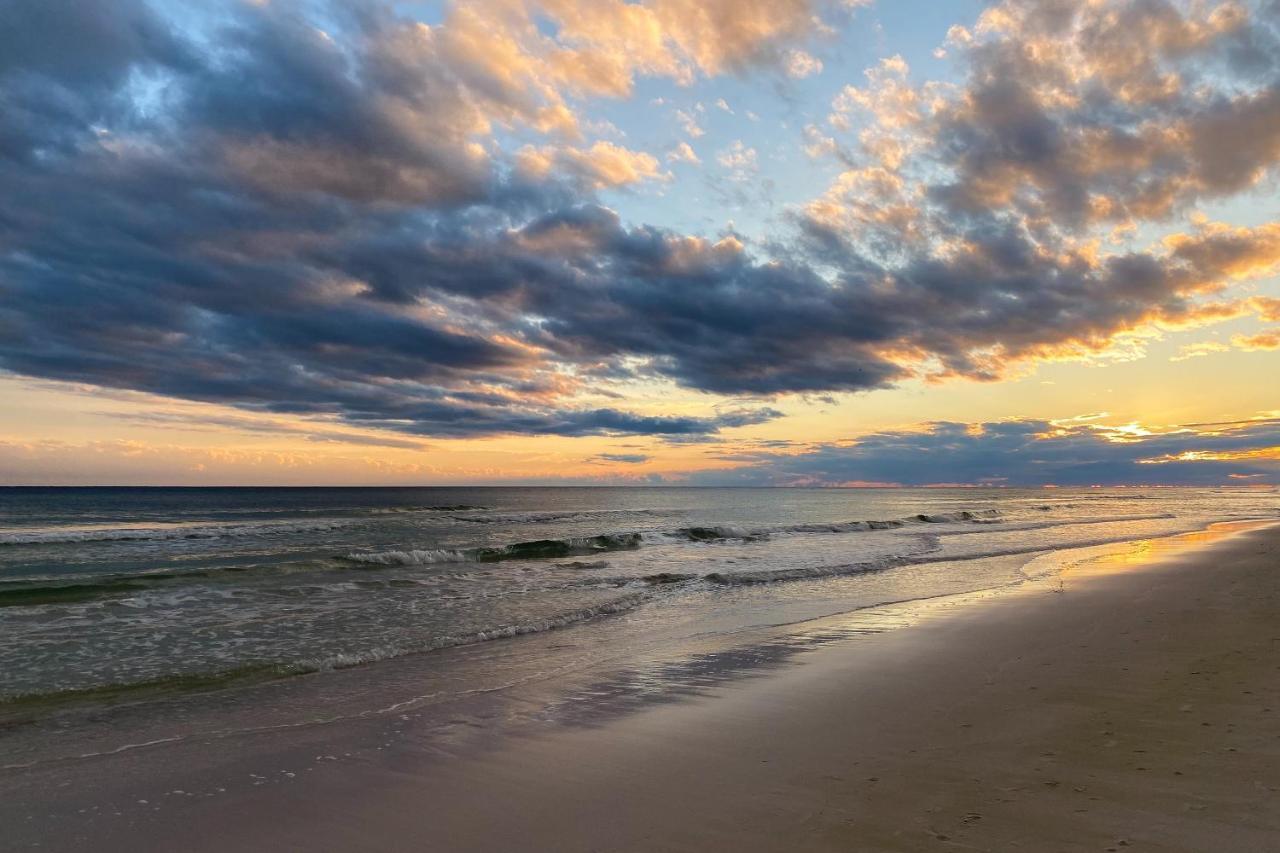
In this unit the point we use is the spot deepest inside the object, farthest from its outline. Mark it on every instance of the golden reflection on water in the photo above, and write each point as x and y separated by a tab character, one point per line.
1145	551
702	672
1109	559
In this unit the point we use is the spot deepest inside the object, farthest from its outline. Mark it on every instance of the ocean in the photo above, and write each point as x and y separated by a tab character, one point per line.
104	591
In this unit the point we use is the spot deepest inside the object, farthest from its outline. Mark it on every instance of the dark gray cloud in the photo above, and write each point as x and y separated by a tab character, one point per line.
1023	453
205	422
711	318
625	458
286	212
146	252
65	66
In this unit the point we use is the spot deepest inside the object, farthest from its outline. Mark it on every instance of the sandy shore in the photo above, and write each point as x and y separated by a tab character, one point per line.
1135	706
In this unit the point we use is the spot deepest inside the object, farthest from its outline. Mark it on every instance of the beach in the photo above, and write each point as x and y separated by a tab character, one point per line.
1129	703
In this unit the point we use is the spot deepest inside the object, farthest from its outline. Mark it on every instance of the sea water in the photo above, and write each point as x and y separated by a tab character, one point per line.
107	590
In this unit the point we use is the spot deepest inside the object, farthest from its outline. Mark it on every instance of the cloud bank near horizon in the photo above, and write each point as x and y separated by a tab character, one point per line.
1083	452
1026	453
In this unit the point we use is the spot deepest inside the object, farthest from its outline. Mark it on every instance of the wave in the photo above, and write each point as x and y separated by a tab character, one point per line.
544	516
985	516
34	592
892	562
843	527
973	517
52	590
534	550
34	595
710	534
713	533
1020	526
642	588
577	546
763	576
57	536
17	704
176	532
536	626
400	510
662	578
64	589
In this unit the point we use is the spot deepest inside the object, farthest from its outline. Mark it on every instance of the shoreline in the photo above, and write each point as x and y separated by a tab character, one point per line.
839	737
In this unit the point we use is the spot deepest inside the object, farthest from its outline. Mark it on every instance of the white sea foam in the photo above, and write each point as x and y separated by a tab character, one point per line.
759	576
545	517
413	557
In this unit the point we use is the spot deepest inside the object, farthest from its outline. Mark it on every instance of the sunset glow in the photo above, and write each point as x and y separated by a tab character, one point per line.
705	243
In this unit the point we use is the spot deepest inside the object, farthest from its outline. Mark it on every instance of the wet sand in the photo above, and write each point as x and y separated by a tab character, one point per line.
1136	705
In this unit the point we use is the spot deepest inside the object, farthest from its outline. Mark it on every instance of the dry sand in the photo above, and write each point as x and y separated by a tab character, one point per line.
1136	707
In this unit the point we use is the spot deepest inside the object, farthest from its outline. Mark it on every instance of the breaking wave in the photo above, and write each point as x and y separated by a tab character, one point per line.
537	549
534	516
712	533
810	572
986	516
579	546
401	510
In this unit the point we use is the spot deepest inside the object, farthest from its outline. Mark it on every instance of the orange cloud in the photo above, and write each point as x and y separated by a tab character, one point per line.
1267	340
1268	309
602	166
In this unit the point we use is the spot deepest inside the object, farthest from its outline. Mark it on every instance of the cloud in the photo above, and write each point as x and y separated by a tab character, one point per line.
338	211
689	124
233	211
602	166
740	159
624	458
1024	453
605	43
1266	340
801	64
1268	309
683	153
1199	350
207	422
709	316
1061	117
121	462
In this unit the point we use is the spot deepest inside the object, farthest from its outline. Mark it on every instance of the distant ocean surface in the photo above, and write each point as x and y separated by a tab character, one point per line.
121	588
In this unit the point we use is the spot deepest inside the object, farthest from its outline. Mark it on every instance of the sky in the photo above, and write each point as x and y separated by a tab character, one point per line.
702	242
